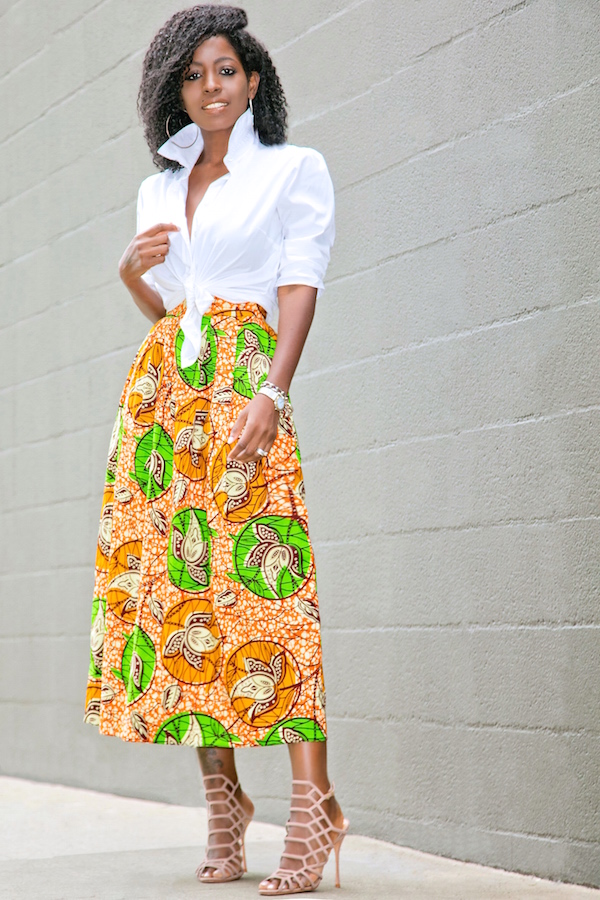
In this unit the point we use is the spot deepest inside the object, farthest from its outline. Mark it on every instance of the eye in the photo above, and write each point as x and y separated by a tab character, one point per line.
226	70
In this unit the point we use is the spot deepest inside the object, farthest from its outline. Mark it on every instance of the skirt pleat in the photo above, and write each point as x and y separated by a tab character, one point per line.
205	622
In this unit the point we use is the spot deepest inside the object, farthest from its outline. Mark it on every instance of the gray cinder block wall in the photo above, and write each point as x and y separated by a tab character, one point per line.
447	405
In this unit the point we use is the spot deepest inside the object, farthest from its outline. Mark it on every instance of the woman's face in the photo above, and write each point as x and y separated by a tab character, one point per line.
215	89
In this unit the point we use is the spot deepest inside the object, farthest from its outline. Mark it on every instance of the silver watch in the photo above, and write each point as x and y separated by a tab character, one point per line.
276	394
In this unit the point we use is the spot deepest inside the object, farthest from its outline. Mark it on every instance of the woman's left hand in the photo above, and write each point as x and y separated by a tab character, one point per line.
255	428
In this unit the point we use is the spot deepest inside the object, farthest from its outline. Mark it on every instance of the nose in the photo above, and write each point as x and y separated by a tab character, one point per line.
211	82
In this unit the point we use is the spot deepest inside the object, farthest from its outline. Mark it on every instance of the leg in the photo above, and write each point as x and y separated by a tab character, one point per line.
309	763
218	764
217	761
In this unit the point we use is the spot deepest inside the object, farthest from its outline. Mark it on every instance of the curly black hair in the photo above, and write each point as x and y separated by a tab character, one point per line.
171	52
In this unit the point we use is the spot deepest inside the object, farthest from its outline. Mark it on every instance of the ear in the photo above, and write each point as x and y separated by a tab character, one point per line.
253	83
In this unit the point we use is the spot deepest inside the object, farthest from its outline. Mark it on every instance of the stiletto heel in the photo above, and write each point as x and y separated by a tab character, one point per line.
337	847
231	865
322	836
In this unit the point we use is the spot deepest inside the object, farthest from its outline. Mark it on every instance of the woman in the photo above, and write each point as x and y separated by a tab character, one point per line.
205	624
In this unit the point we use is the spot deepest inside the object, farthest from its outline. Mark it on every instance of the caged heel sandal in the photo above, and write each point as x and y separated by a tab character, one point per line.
321	836
231	864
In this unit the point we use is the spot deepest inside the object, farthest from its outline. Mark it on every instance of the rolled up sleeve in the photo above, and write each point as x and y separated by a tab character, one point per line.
307	212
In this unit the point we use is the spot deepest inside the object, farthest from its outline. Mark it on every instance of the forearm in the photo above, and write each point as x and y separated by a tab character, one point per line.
147	249
296	311
256	425
146	298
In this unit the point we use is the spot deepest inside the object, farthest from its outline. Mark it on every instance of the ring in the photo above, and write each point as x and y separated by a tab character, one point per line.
261	452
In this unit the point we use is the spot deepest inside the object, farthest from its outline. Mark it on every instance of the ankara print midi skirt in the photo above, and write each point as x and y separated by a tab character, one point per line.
205	624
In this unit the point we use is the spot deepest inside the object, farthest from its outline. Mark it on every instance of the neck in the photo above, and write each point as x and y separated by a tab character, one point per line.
215	147
192	146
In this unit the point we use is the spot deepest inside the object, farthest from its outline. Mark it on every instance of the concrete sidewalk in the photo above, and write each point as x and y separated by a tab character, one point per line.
62	843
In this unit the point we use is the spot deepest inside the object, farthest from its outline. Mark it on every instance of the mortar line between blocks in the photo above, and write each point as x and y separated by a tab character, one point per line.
310	460
446	529
52	36
14	198
450	143
82	16
99	427
445	239
60	236
318	25
85	294
84	363
416	61
68	97
49	504
459	725
436	822
466	628
468	232
12	6
44	573
515	319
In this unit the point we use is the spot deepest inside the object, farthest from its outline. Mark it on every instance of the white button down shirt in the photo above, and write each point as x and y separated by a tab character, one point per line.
269	221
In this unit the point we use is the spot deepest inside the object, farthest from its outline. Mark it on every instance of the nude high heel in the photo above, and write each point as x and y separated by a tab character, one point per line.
321	837
231	865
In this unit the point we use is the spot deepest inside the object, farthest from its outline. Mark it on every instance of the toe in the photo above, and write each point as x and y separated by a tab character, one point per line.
205	872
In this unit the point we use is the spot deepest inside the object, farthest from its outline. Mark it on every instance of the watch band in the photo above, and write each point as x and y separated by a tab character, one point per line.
278	396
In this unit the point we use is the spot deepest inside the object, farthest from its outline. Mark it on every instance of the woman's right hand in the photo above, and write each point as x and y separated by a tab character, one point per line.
147	249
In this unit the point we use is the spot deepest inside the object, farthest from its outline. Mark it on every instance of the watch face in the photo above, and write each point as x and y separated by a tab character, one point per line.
279	402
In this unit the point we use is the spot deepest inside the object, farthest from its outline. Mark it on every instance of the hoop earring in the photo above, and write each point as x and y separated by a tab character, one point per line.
181	146
251	107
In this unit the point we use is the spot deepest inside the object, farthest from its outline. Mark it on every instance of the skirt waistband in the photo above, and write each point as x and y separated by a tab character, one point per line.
225	307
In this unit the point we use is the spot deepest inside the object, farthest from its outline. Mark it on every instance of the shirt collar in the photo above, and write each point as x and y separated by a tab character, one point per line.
187	144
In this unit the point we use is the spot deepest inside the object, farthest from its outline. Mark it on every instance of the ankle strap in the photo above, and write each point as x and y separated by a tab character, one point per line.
314	789
224	784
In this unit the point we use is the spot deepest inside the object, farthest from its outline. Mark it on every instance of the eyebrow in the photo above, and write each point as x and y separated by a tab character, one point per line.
220	59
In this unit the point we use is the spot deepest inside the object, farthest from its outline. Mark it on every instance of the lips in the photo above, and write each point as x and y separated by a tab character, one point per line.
215	104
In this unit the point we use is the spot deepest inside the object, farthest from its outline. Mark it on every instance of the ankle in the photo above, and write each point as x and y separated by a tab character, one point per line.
307	785
333	811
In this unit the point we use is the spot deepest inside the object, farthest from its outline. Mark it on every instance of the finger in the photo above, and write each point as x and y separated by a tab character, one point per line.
247	443
237	452
153	256
161	226
257	457
158	250
157	240
153	249
153	261
246	449
238	427
150	261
